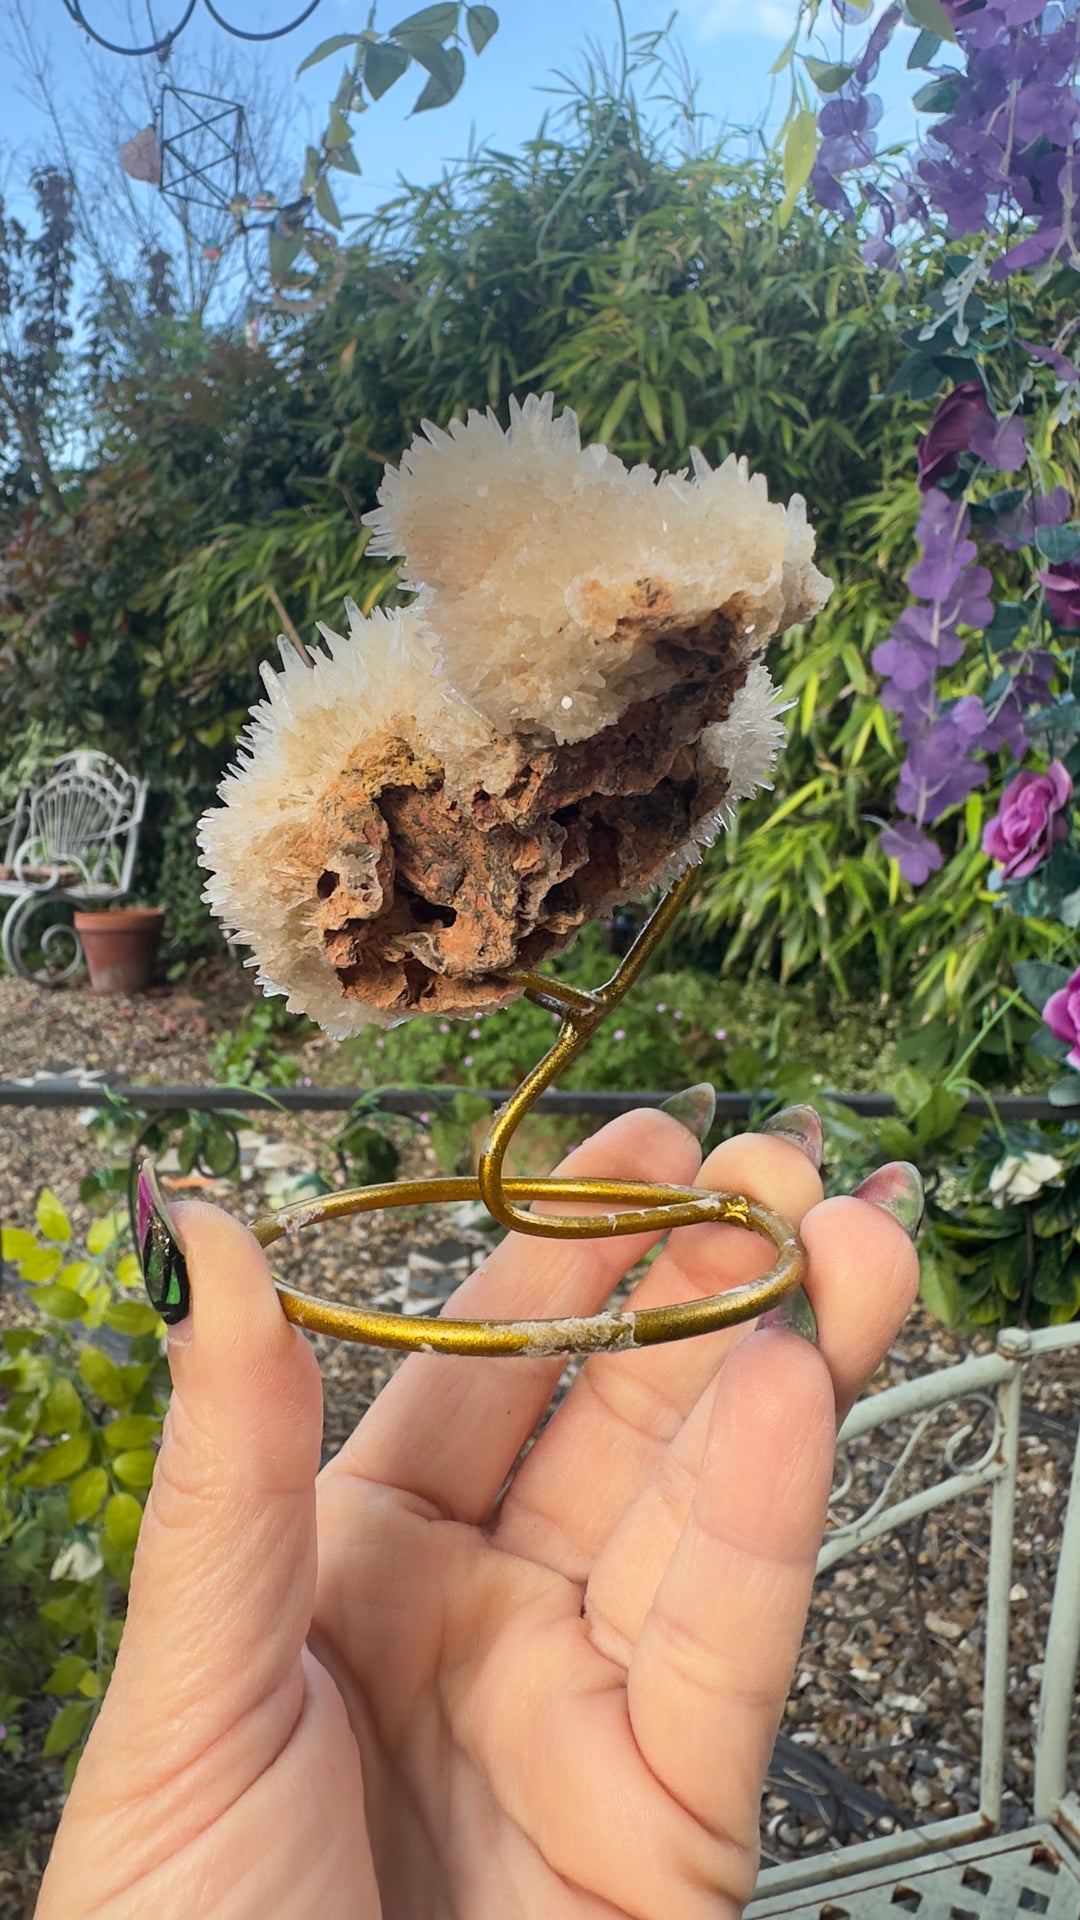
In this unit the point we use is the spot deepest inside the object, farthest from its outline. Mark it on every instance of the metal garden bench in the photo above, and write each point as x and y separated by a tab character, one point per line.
964	1867
73	836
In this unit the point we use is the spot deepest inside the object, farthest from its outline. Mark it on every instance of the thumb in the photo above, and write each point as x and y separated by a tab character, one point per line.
224	1576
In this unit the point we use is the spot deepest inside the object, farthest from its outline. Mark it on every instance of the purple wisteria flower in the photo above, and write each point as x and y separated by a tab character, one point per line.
1061	585
1017	527
1030	821
1062	1016
917	855
941	766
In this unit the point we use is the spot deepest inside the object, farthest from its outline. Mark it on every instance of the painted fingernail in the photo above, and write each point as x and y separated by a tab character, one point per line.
802	1126
897	1189
161	1259
795	1314
694	1108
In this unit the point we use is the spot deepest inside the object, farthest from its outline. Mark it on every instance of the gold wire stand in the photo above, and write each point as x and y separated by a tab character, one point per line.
645	1207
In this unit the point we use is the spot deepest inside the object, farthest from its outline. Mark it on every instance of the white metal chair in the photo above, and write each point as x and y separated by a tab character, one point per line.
73	837
964	1868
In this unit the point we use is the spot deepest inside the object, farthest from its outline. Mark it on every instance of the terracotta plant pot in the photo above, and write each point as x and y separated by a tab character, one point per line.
121	947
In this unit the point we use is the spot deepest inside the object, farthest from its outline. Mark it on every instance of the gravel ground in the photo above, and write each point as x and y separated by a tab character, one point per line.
883	1722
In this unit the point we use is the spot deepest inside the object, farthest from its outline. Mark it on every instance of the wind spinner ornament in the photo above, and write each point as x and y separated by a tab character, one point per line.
565	716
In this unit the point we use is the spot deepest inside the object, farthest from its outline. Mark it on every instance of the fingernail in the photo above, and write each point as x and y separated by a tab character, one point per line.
795	1314
897	1189
802	1126
160	1256
694	1108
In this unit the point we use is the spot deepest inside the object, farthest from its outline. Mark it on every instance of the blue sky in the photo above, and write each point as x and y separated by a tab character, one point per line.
730	43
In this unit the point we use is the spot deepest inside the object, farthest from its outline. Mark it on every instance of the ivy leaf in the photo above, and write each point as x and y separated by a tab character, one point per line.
446	77
383	64
828	76
482	23
336	44
931	15
51	1218
799	150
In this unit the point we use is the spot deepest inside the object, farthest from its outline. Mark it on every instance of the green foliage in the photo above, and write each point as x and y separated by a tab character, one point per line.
1002	1242
83	1390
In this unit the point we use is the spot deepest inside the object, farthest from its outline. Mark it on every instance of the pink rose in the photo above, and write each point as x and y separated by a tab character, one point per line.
1029	821
1062	1016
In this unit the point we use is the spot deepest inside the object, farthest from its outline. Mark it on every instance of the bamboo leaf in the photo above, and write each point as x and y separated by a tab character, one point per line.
800	148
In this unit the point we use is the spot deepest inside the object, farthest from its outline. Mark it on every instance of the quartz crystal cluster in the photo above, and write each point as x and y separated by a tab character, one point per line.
565	715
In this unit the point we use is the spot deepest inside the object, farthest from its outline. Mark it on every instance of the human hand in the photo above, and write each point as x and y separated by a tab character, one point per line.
408	1689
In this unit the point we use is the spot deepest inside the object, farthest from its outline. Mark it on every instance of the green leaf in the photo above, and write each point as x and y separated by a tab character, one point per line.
104	1232
86	1493
482	23
924	49
939	96
122	1520
61	1462
828	76
16	1244
931	15
51	1218
103	1377
344	159
649	401
799	150
939	1289
326	204
1059	543
1038	979
61	1302
383	64
68	1727
63	1410
1009	618
66	1675
336	44
283	251
132	1317
612	420
131	1430
1065	1092
135	1469
437	20
447	75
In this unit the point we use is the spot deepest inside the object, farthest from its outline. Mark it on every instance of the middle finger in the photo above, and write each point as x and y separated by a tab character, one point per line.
603	1445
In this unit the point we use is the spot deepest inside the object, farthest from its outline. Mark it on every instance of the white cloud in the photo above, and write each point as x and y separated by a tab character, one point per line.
762	19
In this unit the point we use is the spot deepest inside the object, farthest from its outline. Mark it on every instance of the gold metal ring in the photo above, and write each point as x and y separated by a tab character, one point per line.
596	1333
646	1208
